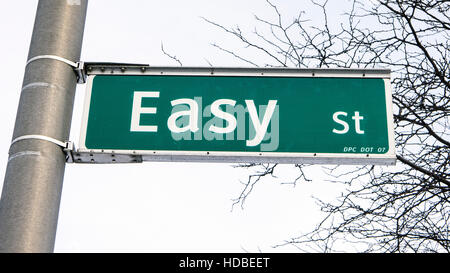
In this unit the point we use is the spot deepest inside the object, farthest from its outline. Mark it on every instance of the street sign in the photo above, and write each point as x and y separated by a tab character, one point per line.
238	115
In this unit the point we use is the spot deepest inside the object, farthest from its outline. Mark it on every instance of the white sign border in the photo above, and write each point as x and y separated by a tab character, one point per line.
388	158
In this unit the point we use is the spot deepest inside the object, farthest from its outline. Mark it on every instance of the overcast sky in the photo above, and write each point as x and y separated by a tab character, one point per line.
160	207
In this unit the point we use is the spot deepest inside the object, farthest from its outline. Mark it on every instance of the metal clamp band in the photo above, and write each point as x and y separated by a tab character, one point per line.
78	66
68	147
40	137
53	57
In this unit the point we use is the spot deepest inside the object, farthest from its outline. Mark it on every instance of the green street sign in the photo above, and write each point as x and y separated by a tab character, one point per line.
238	115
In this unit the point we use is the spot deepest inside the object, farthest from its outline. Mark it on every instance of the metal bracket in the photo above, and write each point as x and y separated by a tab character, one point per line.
111	68
68	150
81	75
96	157
83	69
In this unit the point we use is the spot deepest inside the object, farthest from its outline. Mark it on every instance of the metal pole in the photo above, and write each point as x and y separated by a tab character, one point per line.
32	188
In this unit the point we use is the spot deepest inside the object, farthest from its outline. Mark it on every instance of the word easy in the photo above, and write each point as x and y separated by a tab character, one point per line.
259	124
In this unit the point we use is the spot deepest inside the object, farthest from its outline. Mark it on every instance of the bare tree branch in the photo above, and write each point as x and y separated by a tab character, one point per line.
405	208
170	56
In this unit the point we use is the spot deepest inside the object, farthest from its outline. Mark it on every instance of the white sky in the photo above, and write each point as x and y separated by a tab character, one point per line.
160	207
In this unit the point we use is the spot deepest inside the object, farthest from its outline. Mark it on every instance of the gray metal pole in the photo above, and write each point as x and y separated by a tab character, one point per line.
33	181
